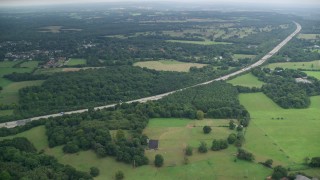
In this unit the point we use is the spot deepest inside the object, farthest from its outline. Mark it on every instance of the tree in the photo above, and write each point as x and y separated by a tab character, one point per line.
207	129
315	162
244	155
119	175
279	172
232	125
94	171
268	163
158	160
215	145
232	138
188	150
200	115
203	147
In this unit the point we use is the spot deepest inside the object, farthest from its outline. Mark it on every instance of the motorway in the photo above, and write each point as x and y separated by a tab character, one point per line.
157	97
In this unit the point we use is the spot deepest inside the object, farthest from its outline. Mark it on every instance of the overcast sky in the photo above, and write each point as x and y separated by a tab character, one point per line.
41	2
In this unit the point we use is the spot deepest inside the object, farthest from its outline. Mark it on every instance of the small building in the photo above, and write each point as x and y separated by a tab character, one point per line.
153	144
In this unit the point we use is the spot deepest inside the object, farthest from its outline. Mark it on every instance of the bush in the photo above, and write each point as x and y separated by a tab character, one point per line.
219	145
158	160
244	155
315	162
119	175
94	171
207	129
279	172
232	138
203	147
188	151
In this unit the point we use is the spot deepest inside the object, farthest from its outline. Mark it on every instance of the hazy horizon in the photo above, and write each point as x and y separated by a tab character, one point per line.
55	2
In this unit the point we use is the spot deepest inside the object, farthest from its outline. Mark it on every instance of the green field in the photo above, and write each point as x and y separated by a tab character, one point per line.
284	135
168	65
212	165
242	56
198	42
296	65
48	71
6	112
308	36
8	70
315	74
29	64
4	64
74	62
247	80
10	94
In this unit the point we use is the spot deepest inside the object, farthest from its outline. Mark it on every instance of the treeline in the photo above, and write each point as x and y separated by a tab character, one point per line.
87	88
296	50
281	86
20	160
17	77
216	100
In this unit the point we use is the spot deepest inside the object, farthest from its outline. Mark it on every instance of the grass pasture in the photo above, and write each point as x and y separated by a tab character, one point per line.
315	74
10	95
291	133
74	62
315	65
212	165
8	64
29	64
48	71
242	56
247	80
308	36
198	42
168	65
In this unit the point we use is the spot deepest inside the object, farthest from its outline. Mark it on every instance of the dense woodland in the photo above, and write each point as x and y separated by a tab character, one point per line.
283	88
20	160
108	85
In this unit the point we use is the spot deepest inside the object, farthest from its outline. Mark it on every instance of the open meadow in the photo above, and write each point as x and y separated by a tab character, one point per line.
247	80
314	65
309	36
168	65
198	42
211	165
287	136
10	93
74	62
315	74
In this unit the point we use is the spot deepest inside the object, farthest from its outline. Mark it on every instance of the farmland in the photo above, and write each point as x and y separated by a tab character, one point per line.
10	95
247	80
197	42
313	65
168	65
289	146
315	74
309	36
242	56
73	62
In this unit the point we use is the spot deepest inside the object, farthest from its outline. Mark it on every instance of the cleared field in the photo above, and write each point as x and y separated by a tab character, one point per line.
247	80
10	95
48	71
29	64
35	135
6	112
73	62
198	42
5	64
292	133
8	70
168	65
242	56
296	65
315	74
309	36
